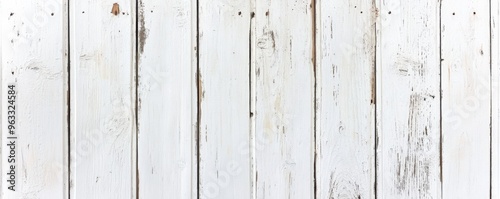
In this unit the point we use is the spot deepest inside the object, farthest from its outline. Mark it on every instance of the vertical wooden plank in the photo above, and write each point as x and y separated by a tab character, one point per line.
408	103
466	98
102	35
165	115
346	99
495	99
284	99
34	61
224	97
195	102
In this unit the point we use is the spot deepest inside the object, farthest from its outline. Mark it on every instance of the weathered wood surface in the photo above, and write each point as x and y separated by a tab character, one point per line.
284	98
166	112
252	99
408	100
34	58
102	83
466	99
224	99
345	132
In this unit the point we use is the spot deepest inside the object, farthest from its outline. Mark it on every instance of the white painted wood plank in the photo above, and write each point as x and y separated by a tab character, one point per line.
408	104
495	99
345	166
284	99
34	59
194	101
166	120
466	98
224	97
102	99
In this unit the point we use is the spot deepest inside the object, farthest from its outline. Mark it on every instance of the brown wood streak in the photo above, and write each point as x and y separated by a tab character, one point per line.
116	9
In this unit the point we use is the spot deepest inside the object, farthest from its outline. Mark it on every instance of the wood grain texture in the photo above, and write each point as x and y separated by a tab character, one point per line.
284	99
224	99
34	58
167	136
252	99
345	163
466	98
408	104
102	99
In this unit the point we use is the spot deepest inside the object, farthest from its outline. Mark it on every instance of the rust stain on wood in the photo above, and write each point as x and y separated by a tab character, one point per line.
116	9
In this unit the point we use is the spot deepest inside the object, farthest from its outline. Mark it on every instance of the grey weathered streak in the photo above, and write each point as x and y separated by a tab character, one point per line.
408	102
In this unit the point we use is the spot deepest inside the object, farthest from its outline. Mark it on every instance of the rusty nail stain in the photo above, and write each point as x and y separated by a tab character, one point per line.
116	9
